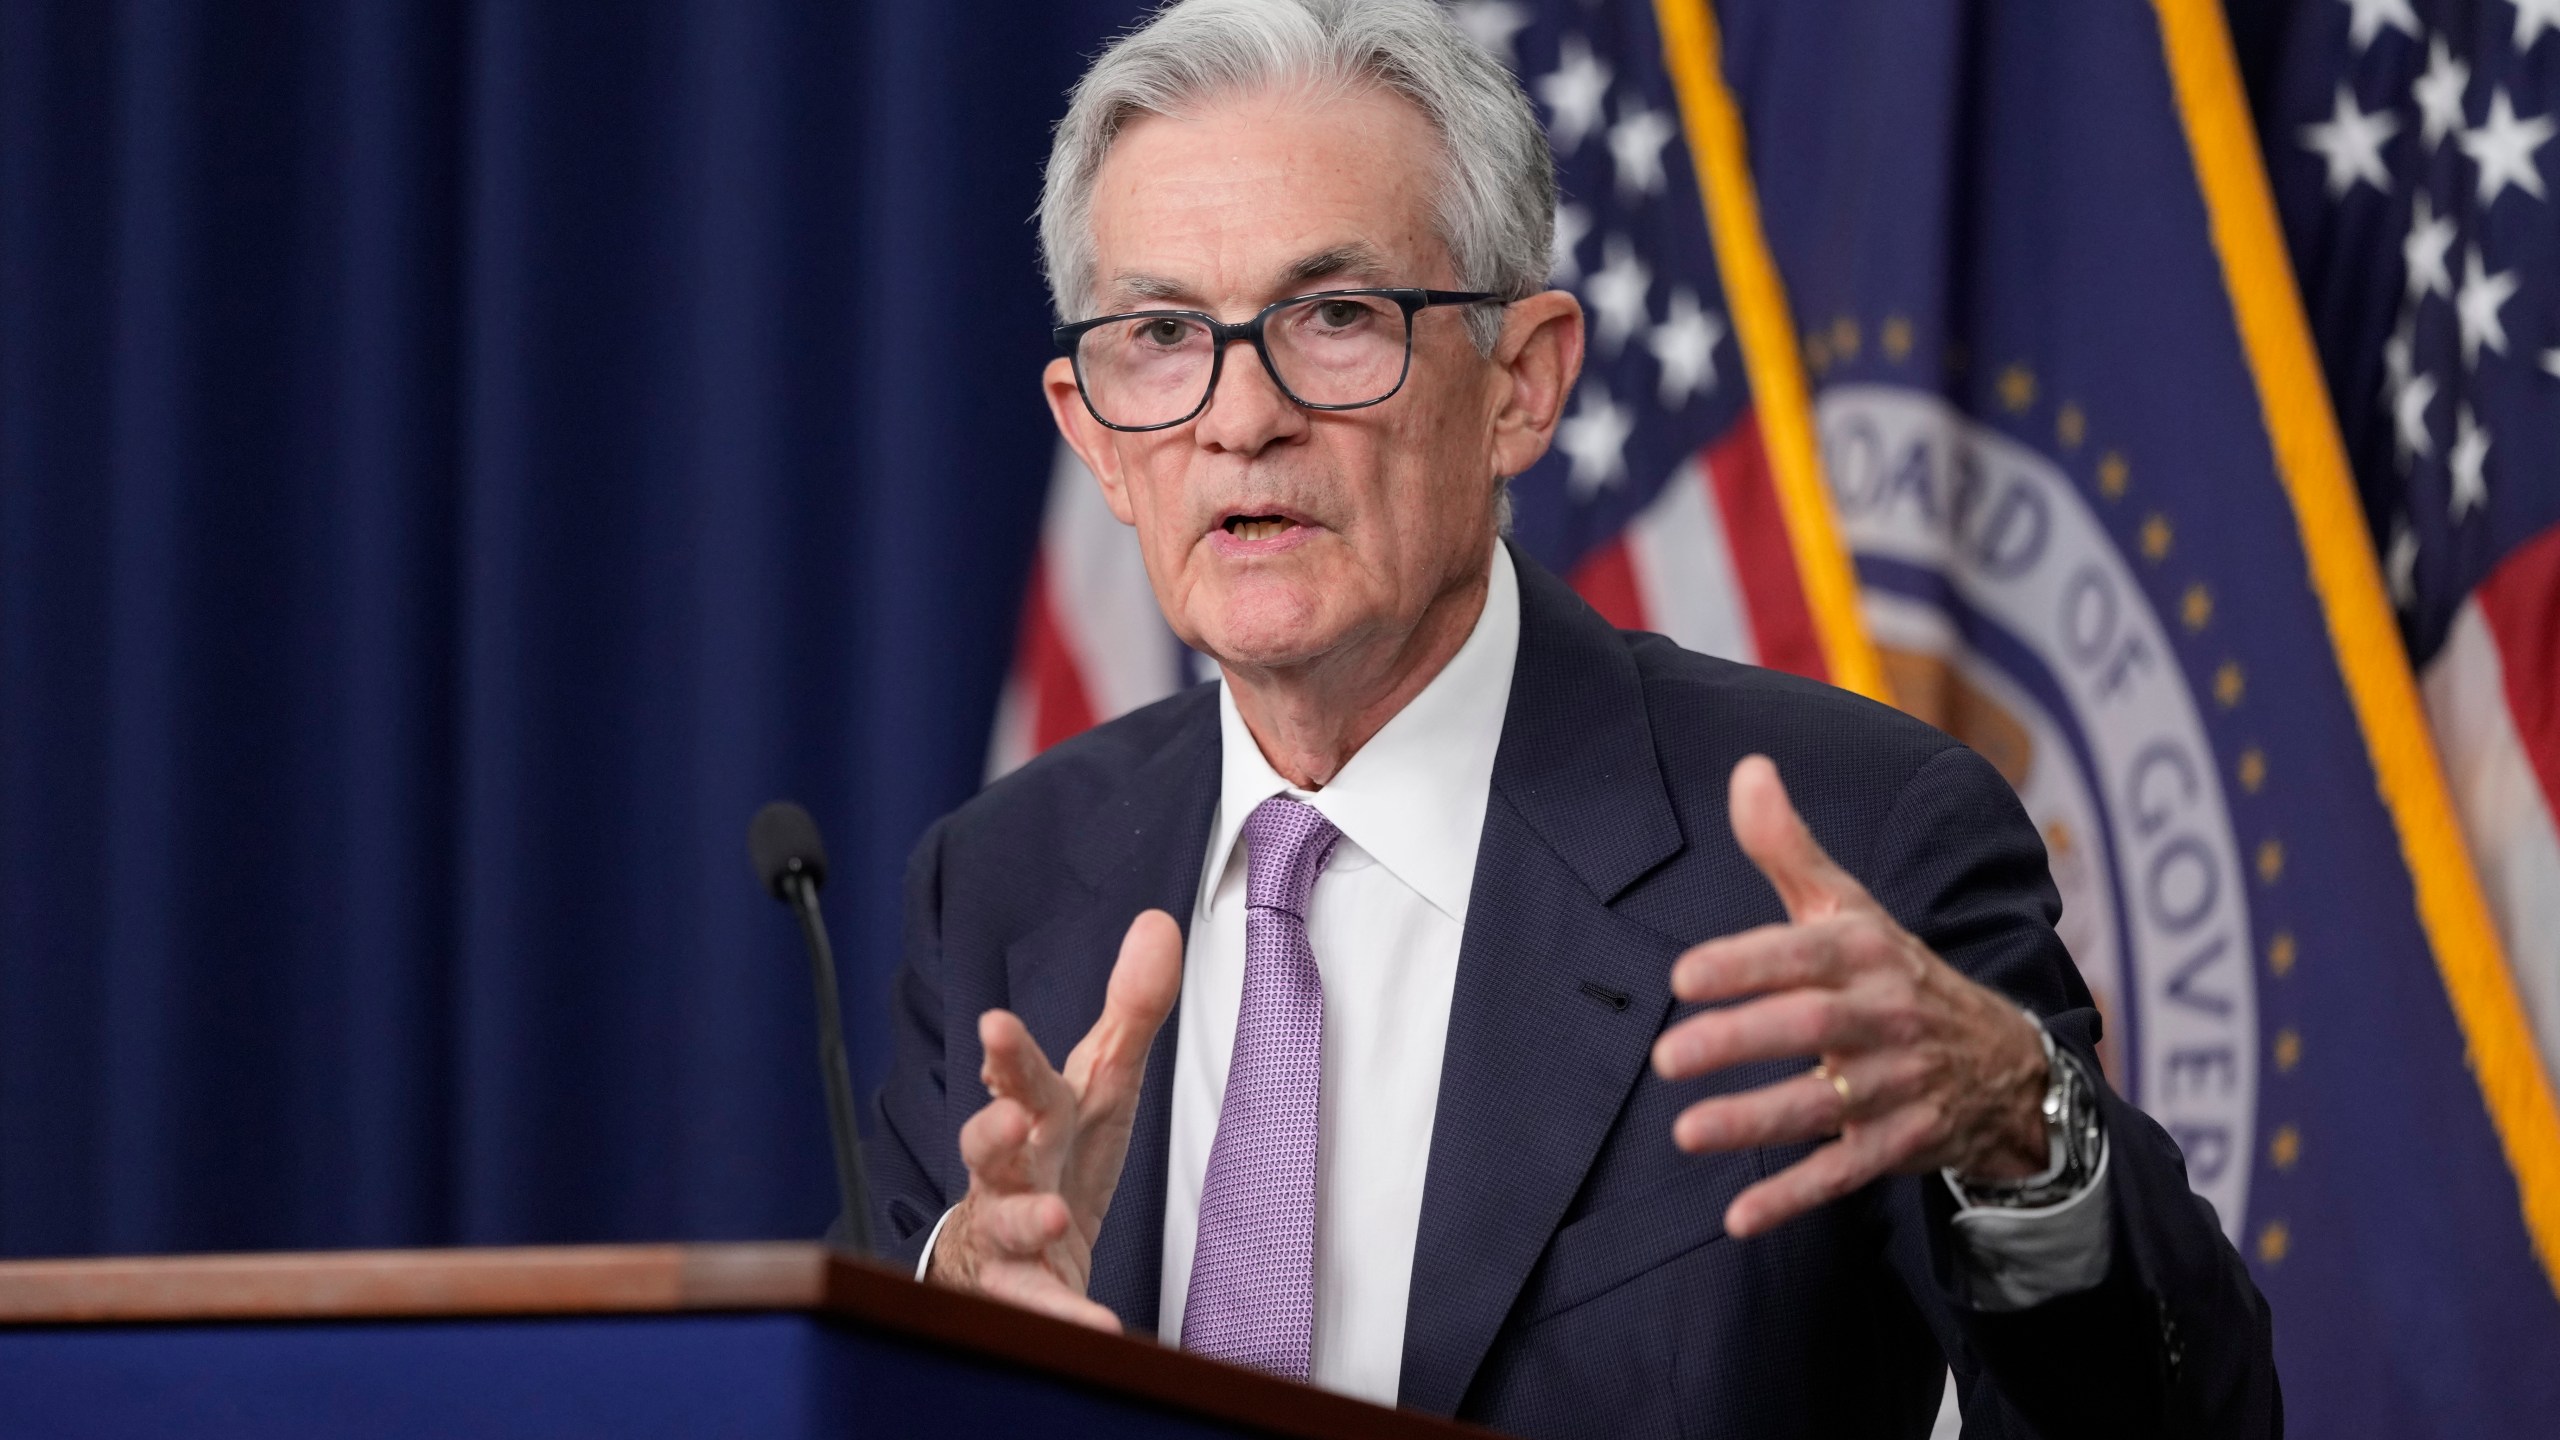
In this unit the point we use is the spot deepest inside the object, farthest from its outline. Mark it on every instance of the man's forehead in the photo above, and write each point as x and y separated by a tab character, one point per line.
1267	194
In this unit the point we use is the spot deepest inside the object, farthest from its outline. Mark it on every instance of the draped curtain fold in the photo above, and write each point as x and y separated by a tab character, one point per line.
456	461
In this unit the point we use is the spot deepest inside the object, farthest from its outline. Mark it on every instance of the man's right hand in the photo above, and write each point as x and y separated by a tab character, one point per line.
1044	1155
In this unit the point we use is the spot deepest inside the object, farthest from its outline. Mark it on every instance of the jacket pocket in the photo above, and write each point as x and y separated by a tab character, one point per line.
1609	1247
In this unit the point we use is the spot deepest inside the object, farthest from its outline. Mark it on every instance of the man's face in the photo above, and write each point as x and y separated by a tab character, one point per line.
1275	535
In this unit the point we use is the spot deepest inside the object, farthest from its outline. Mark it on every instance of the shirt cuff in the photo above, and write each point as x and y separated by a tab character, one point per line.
926	1259
2011	1259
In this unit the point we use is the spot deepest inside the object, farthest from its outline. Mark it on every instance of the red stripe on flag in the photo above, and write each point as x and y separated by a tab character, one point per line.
1764	561
2521	602
1607	578
1047	668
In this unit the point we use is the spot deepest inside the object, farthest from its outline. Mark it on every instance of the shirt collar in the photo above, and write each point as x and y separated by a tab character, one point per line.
1414	797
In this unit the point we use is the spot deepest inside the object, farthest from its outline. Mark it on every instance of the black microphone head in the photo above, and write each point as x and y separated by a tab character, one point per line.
784	842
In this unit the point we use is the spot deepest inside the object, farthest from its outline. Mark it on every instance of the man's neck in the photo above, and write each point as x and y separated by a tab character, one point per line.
1309	720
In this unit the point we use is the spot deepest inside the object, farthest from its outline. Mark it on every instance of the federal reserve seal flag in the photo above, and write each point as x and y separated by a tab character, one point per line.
2076	436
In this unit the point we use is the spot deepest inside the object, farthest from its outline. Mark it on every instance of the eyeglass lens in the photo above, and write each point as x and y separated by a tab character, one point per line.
1326	350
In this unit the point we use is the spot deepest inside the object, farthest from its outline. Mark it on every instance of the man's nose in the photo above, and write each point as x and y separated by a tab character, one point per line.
1249	411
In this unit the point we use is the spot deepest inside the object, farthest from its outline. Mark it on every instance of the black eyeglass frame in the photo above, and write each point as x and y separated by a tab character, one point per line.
1409	299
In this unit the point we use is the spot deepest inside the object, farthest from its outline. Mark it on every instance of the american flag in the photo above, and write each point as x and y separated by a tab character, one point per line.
2412	148
1657	501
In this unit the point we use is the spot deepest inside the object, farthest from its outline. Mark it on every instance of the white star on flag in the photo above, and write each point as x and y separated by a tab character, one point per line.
2532	18
2371	15
2476	307
1574	92
2351	141
2439	94
1684	344
1573	226
2503	148
2431	238
1617	291
2402	563
1594	438
1492	24
1635	149
2398	361
2470	456
2551	361
2409	417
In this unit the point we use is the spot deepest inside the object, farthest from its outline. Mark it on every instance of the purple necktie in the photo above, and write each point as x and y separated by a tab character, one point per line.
1253	1273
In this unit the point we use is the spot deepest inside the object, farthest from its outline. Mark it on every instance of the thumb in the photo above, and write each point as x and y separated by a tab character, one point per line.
1144	984
1765	824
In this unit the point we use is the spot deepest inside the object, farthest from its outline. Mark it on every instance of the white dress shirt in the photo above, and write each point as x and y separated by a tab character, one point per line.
1385	923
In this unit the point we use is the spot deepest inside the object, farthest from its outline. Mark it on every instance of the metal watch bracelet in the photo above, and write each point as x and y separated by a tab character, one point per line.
2072	1132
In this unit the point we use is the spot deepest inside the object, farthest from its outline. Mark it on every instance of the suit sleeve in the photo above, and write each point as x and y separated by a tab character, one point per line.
2175	1339
911	1143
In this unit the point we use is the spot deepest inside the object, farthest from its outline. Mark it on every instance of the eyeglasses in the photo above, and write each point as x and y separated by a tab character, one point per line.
1335	350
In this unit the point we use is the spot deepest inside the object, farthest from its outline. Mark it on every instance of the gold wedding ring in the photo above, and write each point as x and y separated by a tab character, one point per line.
1839	1082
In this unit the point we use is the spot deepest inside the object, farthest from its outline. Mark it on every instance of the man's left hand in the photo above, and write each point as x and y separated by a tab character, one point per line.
1920	1068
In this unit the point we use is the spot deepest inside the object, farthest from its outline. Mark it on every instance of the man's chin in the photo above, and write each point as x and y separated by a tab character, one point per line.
1270	638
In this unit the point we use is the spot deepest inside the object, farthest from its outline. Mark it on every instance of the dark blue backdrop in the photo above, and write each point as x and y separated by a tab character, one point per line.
456	460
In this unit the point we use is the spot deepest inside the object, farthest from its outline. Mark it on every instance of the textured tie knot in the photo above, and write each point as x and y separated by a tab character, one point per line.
1287	845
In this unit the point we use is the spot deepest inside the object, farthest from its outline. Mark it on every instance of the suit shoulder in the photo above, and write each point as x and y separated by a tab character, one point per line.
1068	780
1918	816
1774	712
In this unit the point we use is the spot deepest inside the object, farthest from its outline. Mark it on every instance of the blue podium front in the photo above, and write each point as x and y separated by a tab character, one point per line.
634	1343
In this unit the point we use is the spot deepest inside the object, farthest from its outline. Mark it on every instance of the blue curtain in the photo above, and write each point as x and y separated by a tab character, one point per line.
456	461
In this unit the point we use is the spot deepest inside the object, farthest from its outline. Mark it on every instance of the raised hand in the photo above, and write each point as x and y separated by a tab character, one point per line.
1044	1155
1920	1068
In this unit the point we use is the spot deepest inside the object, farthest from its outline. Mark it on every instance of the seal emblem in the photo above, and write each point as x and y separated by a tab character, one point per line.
2008	617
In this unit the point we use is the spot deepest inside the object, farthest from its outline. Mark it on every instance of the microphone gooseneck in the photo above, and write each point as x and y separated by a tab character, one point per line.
792	862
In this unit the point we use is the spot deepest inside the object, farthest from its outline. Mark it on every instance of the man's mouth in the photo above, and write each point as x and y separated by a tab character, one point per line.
1259	527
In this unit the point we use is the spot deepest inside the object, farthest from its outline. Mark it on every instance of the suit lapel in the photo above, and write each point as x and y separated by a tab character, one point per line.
1538	1065
1141	851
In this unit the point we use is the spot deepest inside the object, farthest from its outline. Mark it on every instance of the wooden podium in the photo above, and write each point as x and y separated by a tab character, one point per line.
628	1342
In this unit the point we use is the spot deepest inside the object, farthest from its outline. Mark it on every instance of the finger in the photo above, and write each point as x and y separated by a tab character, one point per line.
1020	1227
1144	984
1767	827
1770	957
1810	1106
1807	1107
1792	1022
1015	1069
995	1144
1032	1288
1857	1157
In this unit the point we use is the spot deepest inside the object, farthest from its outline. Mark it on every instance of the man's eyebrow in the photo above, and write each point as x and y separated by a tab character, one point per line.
1354	259
1148	287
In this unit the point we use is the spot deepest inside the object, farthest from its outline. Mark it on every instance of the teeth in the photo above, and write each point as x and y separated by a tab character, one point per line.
1259	528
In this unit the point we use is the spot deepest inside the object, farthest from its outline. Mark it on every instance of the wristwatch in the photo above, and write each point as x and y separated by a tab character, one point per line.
2074	1140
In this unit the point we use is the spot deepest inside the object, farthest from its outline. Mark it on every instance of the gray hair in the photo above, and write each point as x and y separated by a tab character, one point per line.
1497	197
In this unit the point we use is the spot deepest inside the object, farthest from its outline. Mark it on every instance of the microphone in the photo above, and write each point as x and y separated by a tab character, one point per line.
792	862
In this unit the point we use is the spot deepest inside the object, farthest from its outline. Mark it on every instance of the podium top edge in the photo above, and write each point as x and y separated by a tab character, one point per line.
576	1280
388	1284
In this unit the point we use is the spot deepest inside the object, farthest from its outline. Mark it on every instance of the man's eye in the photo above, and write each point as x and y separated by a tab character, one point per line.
1164	334
1341	314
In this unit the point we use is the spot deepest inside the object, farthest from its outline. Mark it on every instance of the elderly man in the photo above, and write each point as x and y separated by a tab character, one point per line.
1531	1057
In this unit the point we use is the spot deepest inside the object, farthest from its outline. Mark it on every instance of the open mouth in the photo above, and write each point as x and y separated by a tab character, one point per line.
1259	527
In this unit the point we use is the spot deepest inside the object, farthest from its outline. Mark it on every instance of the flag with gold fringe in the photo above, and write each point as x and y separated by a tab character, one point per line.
2074	429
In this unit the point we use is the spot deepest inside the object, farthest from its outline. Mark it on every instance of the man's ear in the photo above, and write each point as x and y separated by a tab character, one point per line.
1088	437
1540	354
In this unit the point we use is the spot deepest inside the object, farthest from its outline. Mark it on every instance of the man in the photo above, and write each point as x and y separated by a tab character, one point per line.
1531	1058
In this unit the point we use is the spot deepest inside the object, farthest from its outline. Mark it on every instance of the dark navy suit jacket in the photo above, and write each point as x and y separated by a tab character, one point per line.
1572	1275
